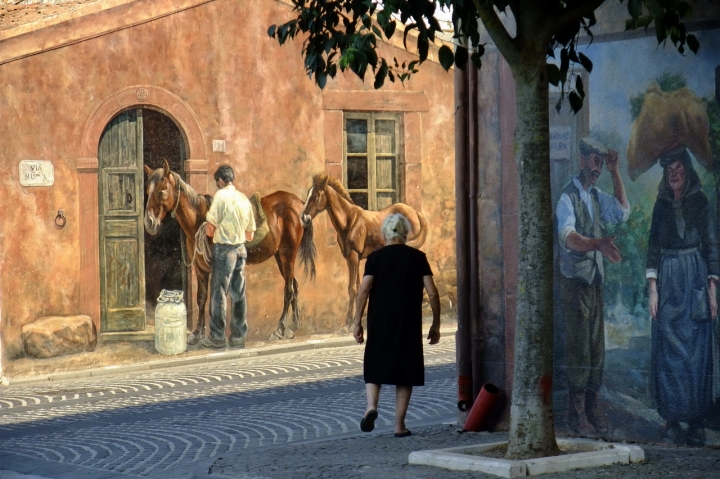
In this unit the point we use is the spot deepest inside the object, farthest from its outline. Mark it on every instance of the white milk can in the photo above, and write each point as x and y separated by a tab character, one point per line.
170	321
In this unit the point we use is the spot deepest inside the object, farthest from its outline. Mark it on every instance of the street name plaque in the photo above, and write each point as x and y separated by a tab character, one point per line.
37	173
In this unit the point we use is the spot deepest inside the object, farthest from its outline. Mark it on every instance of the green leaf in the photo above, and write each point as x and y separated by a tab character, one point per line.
579	86
423	46
475	58
591	19
367	21
461	57
380	75
576	102
446	57
684	8
635	8
377	31
644	22
573	56
660	31
693	43
553	73
390	29
407	30
564	63
271	30
586	62
558	105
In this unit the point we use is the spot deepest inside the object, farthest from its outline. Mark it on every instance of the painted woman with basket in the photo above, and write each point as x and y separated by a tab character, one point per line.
682	274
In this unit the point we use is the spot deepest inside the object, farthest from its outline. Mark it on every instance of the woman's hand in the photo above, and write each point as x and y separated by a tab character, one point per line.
358	333
712	292
653	302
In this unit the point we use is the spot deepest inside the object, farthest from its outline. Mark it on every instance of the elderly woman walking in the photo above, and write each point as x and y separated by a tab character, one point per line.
395	276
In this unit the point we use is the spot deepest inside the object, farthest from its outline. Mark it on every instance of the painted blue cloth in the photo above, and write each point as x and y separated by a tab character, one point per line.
228	276
682	338
682	255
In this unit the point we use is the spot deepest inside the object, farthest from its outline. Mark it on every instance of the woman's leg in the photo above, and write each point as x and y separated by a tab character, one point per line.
372	391
402	399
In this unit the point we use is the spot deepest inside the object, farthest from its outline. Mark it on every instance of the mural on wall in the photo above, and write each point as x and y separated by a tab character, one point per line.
638	350
358	230
279	234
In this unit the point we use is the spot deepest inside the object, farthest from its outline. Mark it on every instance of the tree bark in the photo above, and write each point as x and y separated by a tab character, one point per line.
532	430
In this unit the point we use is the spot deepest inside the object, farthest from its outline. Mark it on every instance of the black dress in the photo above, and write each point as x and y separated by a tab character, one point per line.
394	350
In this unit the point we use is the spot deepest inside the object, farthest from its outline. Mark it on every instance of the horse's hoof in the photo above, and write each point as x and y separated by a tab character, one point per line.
288	334
276	335
193	339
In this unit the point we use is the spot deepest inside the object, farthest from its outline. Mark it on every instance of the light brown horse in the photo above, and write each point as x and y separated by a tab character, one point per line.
168	193
358	230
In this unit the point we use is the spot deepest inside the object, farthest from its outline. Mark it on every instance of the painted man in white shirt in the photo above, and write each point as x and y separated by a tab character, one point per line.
230	223
582	213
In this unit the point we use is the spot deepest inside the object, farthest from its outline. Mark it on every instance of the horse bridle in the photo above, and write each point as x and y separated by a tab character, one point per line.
177	201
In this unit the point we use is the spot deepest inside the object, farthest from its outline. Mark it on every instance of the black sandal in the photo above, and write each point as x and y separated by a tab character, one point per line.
403	434
367	423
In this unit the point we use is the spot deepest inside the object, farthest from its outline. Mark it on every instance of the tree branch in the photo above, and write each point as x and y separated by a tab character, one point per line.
499	34
569	16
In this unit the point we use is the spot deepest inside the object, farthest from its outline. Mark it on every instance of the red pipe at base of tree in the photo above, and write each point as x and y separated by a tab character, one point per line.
482	408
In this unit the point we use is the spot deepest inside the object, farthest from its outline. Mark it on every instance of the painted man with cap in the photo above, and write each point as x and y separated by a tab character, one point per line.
582	212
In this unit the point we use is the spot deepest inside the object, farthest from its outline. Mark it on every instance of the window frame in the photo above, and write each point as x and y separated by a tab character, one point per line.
372	190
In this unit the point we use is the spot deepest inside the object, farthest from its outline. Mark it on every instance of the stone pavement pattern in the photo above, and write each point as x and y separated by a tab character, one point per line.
382	456
160	424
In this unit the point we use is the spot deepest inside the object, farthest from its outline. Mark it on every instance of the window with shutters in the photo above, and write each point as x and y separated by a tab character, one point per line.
371	153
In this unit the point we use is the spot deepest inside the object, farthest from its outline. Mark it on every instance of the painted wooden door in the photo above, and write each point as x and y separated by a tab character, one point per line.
122	258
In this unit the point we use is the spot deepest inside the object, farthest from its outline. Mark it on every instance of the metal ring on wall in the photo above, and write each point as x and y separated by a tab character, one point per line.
60	219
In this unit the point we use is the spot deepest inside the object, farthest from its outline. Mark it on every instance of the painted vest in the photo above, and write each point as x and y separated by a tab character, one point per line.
586	265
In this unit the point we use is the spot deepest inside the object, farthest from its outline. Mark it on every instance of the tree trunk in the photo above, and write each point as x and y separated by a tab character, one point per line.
532	431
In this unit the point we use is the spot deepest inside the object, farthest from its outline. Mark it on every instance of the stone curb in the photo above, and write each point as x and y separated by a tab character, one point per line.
188	361
226	355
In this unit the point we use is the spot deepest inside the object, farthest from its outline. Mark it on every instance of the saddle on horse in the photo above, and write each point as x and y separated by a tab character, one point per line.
261	223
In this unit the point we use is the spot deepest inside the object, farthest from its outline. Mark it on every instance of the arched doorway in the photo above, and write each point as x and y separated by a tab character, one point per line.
164	266
135	266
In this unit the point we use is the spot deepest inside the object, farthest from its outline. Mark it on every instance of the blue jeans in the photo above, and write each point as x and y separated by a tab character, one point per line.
228	275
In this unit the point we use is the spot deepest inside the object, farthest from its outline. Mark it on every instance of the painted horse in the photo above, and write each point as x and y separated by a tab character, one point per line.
358	230
286	238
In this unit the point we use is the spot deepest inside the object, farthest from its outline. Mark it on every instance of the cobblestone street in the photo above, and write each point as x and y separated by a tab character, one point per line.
163	423
284	416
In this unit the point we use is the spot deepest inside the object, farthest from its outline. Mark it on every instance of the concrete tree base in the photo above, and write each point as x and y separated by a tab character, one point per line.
580	454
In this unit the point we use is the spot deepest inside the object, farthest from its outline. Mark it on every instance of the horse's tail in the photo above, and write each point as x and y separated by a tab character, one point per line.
421	235
307	251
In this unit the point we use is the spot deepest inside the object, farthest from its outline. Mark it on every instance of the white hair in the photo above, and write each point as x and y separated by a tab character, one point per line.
395	227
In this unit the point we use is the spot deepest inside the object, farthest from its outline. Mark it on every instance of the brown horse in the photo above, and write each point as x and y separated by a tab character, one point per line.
358	230
286	237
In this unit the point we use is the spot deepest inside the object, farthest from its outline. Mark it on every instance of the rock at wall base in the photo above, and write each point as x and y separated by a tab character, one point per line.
53	336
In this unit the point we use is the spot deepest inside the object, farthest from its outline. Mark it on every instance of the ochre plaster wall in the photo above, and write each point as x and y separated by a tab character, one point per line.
242	88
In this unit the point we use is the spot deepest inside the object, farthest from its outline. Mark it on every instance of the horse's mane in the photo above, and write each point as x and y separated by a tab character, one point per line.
334	184
193	196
